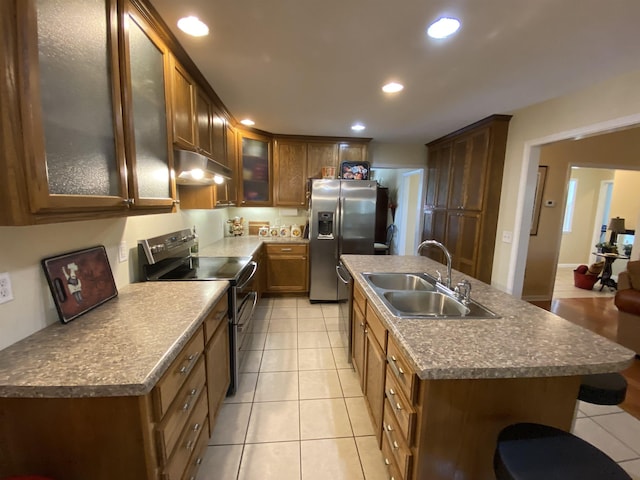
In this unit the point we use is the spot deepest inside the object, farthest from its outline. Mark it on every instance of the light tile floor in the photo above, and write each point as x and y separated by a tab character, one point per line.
299	413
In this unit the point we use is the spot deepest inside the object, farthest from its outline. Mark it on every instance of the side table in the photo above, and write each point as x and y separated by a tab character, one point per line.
605	278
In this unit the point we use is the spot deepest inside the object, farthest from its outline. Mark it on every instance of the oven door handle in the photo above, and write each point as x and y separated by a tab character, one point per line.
338	270
254	266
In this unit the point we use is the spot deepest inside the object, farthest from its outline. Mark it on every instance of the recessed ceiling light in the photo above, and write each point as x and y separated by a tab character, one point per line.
443	27
248	122
358	127
392	87
193	26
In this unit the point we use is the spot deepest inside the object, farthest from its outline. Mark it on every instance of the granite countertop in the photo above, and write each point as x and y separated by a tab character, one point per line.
121	348
526	341
243	246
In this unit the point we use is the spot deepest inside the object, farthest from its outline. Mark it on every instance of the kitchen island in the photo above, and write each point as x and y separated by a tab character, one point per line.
439	391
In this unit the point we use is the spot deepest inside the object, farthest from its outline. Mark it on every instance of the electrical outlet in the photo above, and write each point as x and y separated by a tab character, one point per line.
6	293
507	237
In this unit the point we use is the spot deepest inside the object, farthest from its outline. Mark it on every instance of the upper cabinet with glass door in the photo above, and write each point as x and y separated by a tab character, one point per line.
254	170
71	111
62	93
149	146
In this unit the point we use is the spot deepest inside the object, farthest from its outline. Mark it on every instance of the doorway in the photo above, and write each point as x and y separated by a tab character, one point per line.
527	185
406	192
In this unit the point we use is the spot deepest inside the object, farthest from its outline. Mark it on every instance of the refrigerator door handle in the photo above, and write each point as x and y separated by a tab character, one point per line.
339	225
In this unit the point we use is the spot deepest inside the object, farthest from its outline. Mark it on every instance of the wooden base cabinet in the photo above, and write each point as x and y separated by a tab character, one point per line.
158	436
216	329
369	338
287	268
444	429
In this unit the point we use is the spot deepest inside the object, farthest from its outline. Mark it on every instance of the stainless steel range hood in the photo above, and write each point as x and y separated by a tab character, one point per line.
193	168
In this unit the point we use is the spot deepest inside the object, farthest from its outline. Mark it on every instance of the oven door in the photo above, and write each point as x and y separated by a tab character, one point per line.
243	303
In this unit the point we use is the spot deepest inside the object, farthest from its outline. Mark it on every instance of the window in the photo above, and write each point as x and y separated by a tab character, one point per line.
571	203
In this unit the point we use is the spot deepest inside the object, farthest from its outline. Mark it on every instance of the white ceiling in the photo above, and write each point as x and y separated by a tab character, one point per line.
314	67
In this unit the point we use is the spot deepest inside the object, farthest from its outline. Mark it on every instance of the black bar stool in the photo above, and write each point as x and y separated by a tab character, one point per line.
603	389
531	451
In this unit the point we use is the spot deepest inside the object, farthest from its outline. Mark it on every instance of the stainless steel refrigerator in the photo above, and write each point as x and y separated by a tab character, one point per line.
342	220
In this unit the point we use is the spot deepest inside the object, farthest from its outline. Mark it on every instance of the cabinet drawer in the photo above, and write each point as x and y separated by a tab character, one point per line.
217	314
390	463
400	407
392	437
180	410
359	299
177	373
286	249
405	377
377	327
188	441
196	458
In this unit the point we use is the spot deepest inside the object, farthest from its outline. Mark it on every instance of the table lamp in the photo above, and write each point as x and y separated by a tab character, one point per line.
616	225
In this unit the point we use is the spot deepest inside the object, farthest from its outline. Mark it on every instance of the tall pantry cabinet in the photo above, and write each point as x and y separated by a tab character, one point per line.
464	179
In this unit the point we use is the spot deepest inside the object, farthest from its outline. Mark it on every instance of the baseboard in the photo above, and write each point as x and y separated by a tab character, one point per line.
570	265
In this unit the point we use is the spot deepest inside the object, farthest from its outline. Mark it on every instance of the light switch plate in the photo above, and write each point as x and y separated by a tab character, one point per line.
123	253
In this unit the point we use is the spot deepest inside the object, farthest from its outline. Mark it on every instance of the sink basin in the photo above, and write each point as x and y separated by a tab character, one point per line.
399	281
418	295
432	304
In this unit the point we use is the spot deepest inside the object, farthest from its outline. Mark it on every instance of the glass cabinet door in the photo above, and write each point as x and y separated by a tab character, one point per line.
255	170
76	148
149	151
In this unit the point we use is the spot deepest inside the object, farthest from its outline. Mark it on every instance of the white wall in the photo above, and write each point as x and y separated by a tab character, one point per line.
22	249
601	107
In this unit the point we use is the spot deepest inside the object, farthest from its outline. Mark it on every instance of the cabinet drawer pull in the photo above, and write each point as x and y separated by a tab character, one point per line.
398	406
387	431
286	249
391	392
188	402
386	461
196	427
396	369
190	361
190	445
198	460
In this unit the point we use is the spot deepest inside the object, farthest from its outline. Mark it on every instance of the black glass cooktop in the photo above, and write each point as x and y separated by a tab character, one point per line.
208	268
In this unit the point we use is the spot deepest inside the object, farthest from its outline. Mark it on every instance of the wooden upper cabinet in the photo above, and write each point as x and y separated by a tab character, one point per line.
219	137
290	169
90	135
204	123
352	152
183	96
254	170
148	126
468	170
321	154
438	169
65	152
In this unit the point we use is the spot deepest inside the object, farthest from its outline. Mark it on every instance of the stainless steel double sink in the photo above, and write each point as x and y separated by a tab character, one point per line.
418	295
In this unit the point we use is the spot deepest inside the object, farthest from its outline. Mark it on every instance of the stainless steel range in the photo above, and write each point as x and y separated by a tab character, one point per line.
168	258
